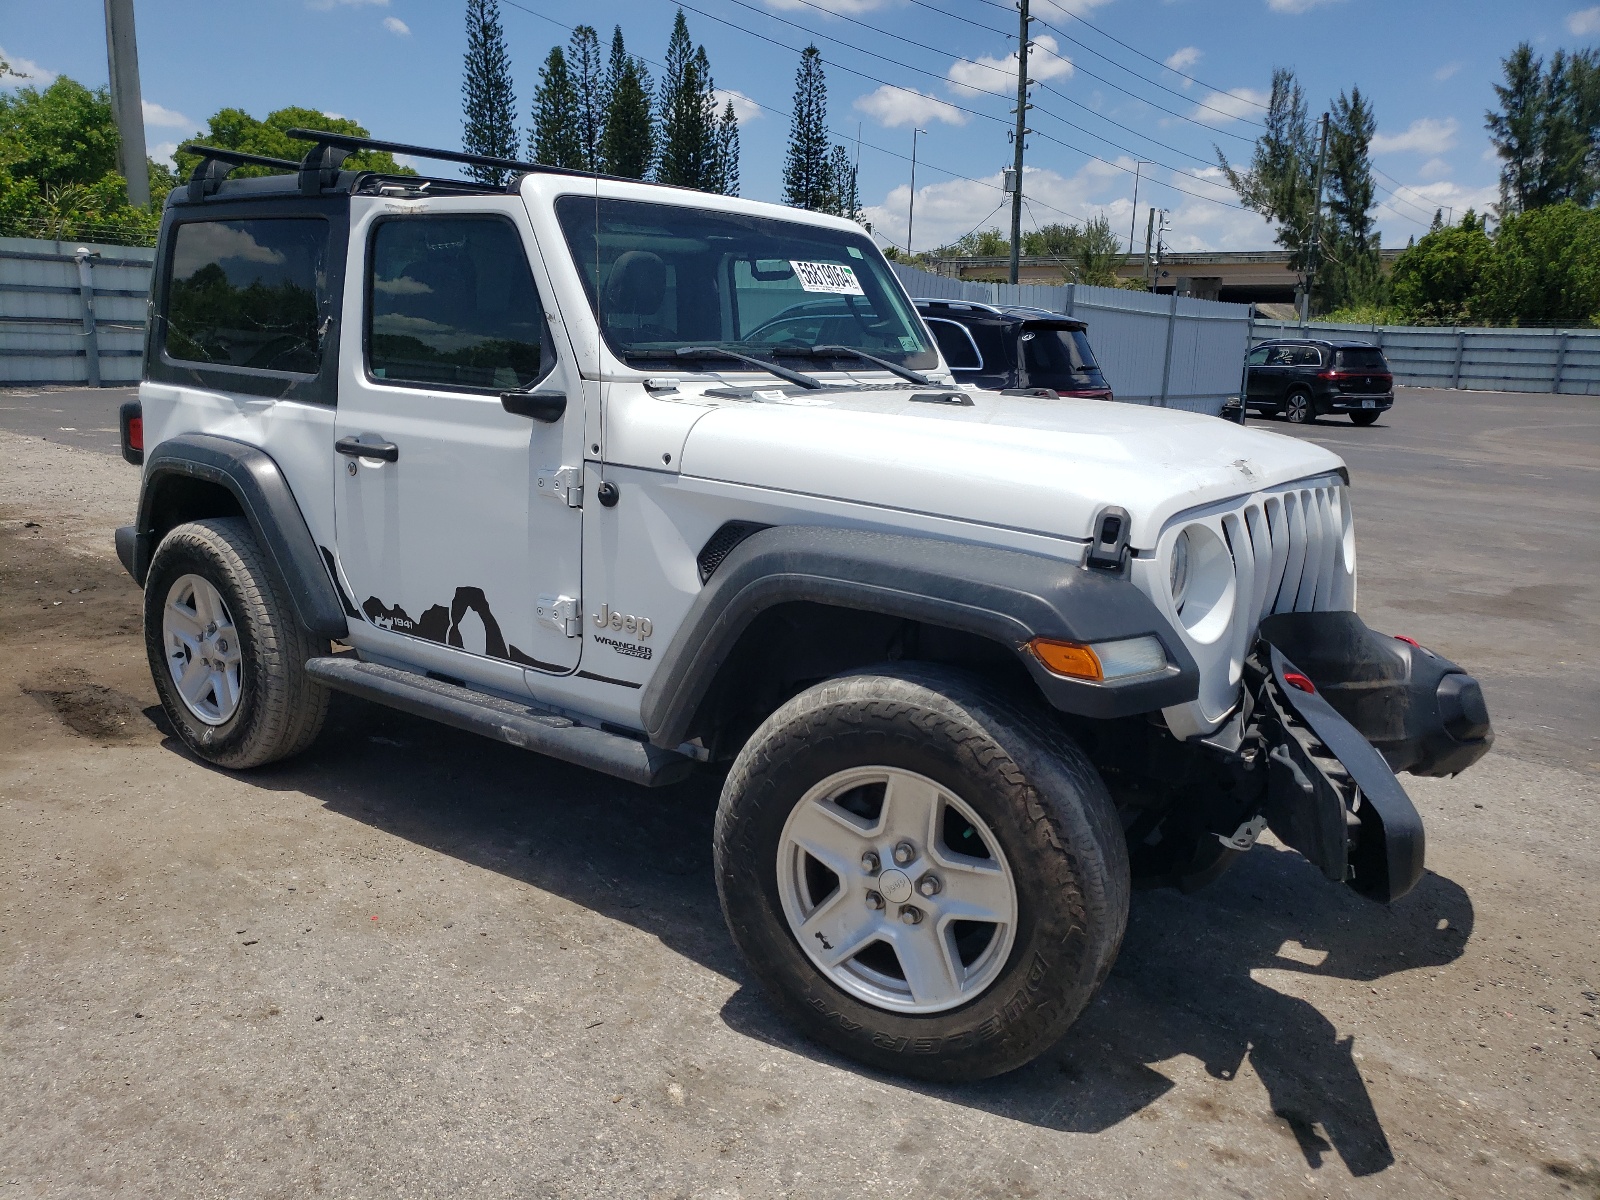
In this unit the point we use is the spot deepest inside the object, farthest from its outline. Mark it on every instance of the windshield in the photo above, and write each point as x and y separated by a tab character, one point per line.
1362	359
1055	351
670	276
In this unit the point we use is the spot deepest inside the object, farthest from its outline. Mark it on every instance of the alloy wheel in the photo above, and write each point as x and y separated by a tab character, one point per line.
897	890
202	649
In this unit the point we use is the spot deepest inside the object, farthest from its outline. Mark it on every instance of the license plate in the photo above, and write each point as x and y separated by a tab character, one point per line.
1369	404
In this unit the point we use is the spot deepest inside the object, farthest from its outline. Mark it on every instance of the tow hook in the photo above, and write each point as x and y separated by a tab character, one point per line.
1245	836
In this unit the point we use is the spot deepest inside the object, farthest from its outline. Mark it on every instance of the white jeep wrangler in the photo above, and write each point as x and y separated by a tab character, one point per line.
642	478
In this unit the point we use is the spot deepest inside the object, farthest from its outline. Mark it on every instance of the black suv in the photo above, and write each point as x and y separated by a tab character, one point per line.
1003	349
1303	380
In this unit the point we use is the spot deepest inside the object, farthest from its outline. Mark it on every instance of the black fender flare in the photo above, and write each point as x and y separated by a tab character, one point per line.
1008	596
256	482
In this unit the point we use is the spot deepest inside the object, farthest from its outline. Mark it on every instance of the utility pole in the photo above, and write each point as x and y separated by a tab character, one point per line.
1134	215
127	107
1314	248
1149	236
1020	135
911	209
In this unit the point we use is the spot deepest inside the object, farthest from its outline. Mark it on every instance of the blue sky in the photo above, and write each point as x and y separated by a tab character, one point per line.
395	66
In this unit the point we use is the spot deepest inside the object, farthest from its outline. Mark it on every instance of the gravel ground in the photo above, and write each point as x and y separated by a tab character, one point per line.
416	963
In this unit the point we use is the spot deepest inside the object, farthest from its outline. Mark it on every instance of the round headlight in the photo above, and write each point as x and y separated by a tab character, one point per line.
1178	574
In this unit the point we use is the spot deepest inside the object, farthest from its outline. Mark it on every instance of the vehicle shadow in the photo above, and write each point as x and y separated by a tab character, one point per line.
1184	984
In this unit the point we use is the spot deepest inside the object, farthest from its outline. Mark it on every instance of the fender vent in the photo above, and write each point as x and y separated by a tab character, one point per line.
721	544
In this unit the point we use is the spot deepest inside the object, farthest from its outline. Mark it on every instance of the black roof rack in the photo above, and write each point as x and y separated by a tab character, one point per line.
319	169
332	149
216	163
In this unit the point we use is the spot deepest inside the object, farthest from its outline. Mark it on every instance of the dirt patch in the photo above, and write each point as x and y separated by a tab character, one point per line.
1585	1179
94	710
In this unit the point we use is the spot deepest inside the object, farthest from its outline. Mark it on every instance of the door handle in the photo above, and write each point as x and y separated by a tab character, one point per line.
541	406
387	451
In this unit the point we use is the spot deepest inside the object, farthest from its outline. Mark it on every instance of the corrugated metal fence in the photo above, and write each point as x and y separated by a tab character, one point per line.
1170	351
72	312
1497	360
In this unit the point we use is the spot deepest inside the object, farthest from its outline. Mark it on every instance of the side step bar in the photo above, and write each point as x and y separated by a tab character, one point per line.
505	720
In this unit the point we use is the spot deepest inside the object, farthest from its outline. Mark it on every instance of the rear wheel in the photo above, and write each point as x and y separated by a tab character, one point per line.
1364	418
1297	408
924	874
226	652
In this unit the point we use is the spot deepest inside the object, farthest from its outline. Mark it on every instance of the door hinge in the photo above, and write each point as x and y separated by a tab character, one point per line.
559	613
565	484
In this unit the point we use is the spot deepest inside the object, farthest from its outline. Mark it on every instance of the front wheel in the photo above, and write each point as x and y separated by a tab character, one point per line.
1364	418
925	875
1297	408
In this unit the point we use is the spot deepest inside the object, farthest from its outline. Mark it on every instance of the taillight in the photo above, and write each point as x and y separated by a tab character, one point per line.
1328	375
131	421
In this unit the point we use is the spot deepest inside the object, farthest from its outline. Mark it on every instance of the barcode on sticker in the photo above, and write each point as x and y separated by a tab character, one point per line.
834	278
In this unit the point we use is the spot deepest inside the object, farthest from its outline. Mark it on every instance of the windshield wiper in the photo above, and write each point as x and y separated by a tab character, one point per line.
796	377
906	373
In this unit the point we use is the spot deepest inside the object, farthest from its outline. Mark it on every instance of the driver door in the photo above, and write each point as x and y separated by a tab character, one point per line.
458	530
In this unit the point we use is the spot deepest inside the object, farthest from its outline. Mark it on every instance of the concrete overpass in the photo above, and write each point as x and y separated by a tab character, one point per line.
1237	276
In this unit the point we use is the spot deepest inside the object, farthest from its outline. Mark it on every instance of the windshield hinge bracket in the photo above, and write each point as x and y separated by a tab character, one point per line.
564	485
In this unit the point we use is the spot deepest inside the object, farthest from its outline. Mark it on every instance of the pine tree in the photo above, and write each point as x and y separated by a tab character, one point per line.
589	88
725	172
1547	131
688	136
554	135
1351	273
1279	183
844	196
489	106
629	144
806	178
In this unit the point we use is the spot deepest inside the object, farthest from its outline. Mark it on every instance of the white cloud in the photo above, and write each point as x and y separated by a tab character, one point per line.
1220	108
998	75
1296	6
745	109
163	152
25	72
1423	136
397	27
1415	204
1183	59
335	116
896	106
155	114
1584	22
1434	168
1446	71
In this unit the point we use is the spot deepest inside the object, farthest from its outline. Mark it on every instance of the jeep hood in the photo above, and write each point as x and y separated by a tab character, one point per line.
1042	465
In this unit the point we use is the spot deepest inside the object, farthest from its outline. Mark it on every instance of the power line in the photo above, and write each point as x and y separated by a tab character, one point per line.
959	107
843	134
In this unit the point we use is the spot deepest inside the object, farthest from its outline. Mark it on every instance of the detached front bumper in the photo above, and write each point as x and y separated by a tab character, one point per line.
1337	709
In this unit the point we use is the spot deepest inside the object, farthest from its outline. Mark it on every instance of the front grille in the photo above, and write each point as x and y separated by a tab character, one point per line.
1288	553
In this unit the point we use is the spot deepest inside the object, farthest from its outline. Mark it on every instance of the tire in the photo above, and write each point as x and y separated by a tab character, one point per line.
1297	408
1364	418
1045	818
260	705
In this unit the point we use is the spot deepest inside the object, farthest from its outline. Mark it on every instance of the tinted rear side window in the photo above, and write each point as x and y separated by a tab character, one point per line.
249	293
1362	358
956	344
452	302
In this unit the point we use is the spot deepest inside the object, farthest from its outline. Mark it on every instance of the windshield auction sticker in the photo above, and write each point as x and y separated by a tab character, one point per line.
834	278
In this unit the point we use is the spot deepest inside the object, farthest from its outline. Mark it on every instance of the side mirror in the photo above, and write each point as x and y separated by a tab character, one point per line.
541	406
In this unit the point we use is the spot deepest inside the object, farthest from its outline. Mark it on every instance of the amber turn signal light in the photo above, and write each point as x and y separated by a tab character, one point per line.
1071	659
